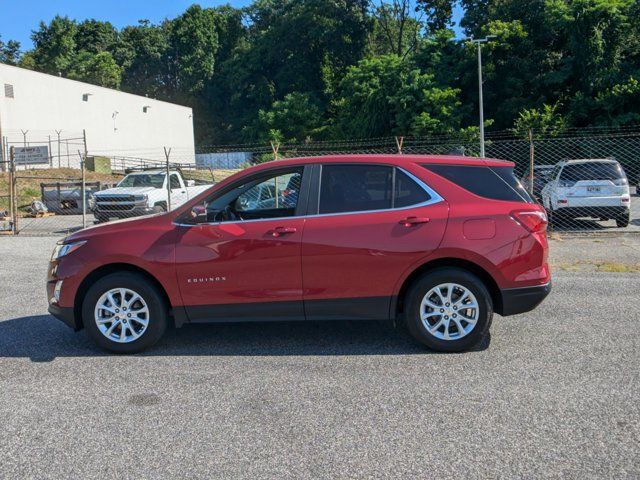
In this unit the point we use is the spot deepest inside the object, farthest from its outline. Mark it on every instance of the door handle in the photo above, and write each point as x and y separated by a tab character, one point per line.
278	231
412	221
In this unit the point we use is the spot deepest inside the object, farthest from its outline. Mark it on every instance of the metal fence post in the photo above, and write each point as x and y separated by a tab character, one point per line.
13	191
168	179
531	160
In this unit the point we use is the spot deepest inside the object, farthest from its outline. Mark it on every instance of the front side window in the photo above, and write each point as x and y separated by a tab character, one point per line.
277	193
355	188
269	196
154	180
175	181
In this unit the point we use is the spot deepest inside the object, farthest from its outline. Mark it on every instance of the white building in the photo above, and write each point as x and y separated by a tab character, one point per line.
37	109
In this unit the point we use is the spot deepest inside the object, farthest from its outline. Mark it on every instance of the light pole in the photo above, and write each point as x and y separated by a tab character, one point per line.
479	42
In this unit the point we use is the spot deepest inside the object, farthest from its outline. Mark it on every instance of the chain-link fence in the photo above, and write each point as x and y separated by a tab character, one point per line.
586	179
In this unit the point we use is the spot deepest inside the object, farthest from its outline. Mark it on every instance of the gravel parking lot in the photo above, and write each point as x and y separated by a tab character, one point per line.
553	393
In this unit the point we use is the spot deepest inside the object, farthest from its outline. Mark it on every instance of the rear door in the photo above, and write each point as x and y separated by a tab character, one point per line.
369	224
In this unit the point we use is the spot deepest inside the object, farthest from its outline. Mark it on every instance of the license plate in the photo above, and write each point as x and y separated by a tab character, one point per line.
593	189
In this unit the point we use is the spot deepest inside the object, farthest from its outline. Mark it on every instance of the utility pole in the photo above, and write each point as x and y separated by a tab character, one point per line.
479	42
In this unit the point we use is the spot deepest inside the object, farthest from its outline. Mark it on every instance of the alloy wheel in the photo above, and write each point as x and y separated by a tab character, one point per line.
122	315
449	311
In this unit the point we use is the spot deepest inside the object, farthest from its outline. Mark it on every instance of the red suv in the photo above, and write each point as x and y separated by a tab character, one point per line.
440	242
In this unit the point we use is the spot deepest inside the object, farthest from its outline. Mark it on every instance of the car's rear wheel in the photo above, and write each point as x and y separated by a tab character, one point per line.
622	221
124	313
448	310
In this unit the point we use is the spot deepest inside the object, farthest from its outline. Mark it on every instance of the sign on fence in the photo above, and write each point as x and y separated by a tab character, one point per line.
35	155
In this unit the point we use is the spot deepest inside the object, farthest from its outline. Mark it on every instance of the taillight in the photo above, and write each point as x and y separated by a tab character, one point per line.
533	220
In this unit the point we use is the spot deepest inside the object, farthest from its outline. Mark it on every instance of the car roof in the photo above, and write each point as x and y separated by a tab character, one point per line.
397	159
590	160
152	171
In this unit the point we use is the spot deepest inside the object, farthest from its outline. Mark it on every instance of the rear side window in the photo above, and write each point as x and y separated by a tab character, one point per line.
496	183
407	192
355	188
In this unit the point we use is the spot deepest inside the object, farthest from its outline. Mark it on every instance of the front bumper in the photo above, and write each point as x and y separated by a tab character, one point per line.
66	315
523	299
125	212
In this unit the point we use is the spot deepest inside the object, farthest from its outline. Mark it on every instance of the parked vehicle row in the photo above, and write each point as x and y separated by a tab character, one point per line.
437	242
593	188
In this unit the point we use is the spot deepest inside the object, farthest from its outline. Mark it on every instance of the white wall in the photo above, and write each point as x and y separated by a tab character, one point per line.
45	103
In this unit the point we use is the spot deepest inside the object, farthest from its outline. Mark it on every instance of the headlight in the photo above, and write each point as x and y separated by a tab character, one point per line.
63	249
140	198
92	201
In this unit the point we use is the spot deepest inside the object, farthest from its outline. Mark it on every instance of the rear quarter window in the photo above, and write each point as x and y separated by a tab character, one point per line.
496	183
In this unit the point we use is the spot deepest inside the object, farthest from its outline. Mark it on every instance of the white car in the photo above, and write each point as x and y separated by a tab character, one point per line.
596	188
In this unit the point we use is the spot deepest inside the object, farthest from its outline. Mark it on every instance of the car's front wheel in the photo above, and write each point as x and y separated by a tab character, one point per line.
449	310
124	313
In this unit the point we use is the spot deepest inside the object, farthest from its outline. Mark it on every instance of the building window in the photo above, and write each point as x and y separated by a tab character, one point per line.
145	109
85	97
8	90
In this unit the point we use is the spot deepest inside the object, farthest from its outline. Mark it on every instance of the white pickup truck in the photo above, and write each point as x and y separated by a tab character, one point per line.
142	193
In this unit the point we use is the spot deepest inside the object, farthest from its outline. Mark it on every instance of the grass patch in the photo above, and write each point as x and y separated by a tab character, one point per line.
607	267
616	267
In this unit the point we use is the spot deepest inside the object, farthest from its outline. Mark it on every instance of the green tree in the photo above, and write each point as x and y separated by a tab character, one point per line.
296	118
99	69
543	121
94	36
9	52
387	96
54	45
193	44
140	51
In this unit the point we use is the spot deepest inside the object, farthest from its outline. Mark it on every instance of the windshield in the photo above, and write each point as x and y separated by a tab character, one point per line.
574	172
154	180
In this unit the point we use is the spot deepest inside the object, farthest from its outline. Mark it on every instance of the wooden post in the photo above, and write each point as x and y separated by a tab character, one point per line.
399	142
275	146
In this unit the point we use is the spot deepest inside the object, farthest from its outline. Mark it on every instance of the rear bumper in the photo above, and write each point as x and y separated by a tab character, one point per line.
597	212
524	299
65	315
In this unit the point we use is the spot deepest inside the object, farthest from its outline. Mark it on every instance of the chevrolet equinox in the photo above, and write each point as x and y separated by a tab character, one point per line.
437	242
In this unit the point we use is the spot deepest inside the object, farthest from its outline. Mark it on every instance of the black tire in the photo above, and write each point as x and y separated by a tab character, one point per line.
101	219
156	304
159	208
623	220
448	275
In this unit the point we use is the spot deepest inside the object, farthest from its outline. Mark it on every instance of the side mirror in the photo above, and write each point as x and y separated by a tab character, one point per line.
198	214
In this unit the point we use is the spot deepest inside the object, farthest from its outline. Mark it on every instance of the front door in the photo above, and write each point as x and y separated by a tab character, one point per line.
374	222
245	260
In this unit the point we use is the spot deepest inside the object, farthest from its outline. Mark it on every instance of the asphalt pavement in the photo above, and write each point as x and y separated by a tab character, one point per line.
552	393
